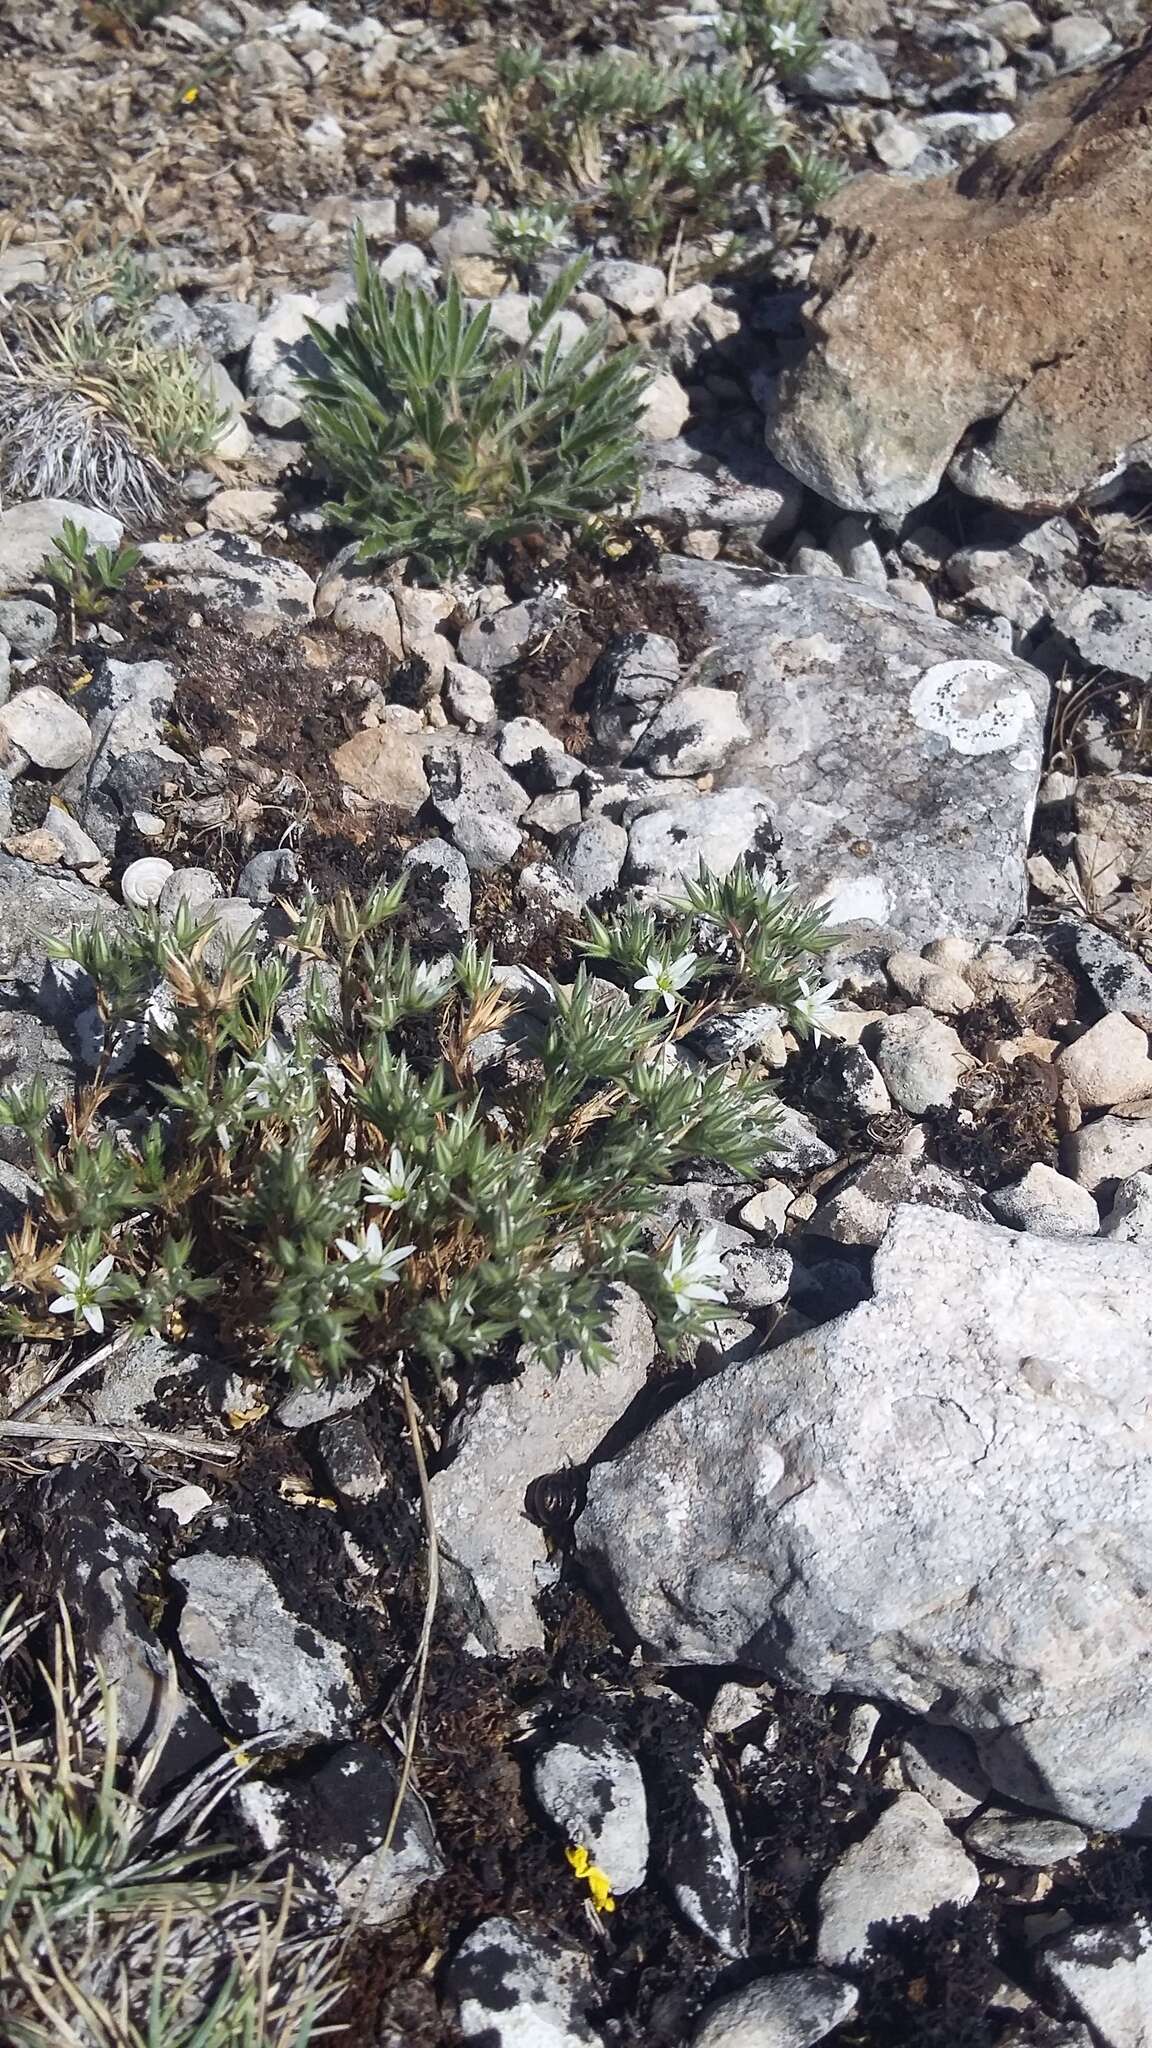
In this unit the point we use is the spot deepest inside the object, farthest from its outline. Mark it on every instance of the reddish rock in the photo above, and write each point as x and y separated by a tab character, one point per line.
1014	295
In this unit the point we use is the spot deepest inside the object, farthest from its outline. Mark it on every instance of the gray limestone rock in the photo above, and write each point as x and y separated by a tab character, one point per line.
28	531
281	350
513	1987
693	1841
667	845
942	1764
692	733
1047	1202
899	761
127	704
492	643
1110	628
635	674
332	1819
1116	975
844	71
441	872
1109	1150
268	1672
522	1431
921	1059
943	1498
33	904
1130	1217
228	569
712	489
908	1864
1025	1839
1107	1974
858	1209
591	1787
104	1572
28	625
45	728
589	857
795	2009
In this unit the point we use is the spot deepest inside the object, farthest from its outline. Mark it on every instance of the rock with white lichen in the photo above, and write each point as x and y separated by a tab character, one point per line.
898	755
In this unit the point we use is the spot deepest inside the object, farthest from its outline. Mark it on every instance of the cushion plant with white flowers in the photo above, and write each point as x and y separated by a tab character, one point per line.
366	1187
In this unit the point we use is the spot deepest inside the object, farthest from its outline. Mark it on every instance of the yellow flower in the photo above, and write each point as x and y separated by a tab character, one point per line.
598	1882
190	97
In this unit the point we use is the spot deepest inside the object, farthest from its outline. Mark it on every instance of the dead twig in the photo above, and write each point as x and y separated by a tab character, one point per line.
37	1402
128	1435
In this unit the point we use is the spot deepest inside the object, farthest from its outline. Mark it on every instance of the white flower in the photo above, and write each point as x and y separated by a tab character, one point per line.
370	1250
279	1079
431	978
813	1010
784	38
389	1190
666	978
694	1273
80	1289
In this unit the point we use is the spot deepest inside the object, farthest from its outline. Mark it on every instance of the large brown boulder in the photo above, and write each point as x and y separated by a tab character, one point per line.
1011	304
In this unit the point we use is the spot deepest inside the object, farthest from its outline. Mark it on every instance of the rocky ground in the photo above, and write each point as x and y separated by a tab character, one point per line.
829	1645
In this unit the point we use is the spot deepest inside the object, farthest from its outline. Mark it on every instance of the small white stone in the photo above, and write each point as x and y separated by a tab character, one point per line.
862	1725
939	988
51	733
185	1502
666	408
921	1059
142	882
733	1707
1108	1064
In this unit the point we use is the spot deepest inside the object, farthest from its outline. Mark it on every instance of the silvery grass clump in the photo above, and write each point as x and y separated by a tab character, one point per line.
91	407
376	1184
446	441
123	1921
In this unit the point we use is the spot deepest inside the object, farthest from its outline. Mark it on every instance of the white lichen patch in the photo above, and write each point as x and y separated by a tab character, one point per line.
975	705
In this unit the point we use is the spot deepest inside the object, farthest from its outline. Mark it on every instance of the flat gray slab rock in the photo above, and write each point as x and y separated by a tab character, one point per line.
33	904
268	1672
943	1498
909	1863
899	755
521	1432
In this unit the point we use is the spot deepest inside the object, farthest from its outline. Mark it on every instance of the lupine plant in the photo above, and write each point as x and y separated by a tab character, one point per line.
655	151
446	441
374	1184
88	576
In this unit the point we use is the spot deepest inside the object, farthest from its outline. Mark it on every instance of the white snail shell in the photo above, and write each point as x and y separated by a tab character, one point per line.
141	883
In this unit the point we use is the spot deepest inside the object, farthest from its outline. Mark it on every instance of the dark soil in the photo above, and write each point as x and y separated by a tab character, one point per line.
606	601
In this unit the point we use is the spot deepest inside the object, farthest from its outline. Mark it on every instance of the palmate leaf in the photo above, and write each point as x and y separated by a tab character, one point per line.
445	441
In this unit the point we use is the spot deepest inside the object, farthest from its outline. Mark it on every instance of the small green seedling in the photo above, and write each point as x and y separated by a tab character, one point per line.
90	577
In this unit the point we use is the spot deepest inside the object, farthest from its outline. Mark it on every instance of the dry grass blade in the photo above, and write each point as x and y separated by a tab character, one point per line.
114	1930
129	1435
